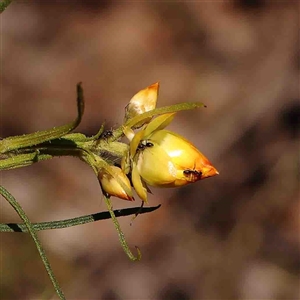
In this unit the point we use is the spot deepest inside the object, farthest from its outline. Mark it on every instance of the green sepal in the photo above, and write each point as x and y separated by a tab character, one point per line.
158	111
135	142
97	135
158	123
163	110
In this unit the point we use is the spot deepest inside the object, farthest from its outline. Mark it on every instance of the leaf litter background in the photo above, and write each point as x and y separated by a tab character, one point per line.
235	236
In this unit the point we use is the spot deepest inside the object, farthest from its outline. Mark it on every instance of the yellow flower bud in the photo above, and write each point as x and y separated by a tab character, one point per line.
117	185
154	165
143	101
184	155
166	159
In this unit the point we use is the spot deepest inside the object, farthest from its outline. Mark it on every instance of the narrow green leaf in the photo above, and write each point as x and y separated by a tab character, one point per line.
17	227
158	111
31	139
163	110
22	160
121	234
17	207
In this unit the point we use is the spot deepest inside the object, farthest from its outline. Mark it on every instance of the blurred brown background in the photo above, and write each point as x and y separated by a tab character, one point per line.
235	236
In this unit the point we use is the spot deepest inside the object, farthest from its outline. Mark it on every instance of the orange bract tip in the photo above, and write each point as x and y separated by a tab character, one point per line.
154	86
143	101
209	171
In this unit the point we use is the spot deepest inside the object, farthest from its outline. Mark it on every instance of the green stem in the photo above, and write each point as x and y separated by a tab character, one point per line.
22	160
12	201
121	234
37	154
23	141
16	227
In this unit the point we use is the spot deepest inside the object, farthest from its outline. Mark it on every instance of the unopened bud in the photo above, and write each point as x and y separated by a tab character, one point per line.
117	185
143	101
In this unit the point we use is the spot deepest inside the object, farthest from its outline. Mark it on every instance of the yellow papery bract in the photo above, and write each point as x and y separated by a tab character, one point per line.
138	184
184	155
158	123
135	142
155	166
166	159
129	133
144	101
125	163
112	186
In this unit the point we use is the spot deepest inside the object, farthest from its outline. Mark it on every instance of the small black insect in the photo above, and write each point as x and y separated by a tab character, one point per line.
106	134
145	144
188	172
192	175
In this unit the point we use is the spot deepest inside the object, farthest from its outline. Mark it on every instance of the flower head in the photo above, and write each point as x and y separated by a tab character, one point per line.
165	159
